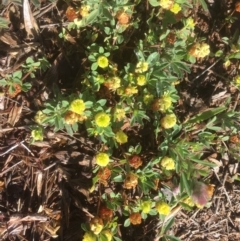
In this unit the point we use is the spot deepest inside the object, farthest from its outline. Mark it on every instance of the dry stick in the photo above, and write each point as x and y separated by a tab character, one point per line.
10	168
206	70
12	128
11	148
236	102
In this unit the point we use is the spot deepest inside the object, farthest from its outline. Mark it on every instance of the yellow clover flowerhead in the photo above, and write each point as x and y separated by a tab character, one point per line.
147	99
176	8
168	121
121	137
102	159
189	201
77	106
89	236
108	234
163	208
141	80
96	225
199	50
102	62
113	83
146	206
166	4
119	114
168	163
84	10
237	80
165	102
37	134
190	23
102	119
130	90
141	67
39	117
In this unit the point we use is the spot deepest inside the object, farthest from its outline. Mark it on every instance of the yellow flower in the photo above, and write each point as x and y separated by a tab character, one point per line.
102	159
39	117
89	236
189	202
102	62
146	206
176	8
168	121
163	208
84	10
166	4
168	163
141	80
77	106
147	99
96	225
121	137
141	67
102	119
119	114
190	23
199	50
237	80
71	117
108	234
131	181
37	134
165	102
113	83
130	90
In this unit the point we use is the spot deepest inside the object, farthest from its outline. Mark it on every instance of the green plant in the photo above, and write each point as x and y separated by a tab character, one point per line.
120	97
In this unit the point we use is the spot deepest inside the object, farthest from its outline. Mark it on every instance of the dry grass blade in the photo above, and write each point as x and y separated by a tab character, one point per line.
14	115
29	21
39	183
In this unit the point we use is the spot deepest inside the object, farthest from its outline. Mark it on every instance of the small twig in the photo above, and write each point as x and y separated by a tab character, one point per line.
11	148
27	149
10	168
206	70
45	169
12	128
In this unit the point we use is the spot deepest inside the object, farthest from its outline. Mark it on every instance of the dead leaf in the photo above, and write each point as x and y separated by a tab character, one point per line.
30	23
39	183
1	101
14	115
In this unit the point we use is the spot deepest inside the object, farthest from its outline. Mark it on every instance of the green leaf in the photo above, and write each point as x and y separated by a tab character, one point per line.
206	114
26	87
127	223
102	102
153	58
94	66
172	238
205	163
167	226
69	129
204	5
17	74
4	22
101	50
91	17
118	178
154	3
3	82
117	239
185	183
91	58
